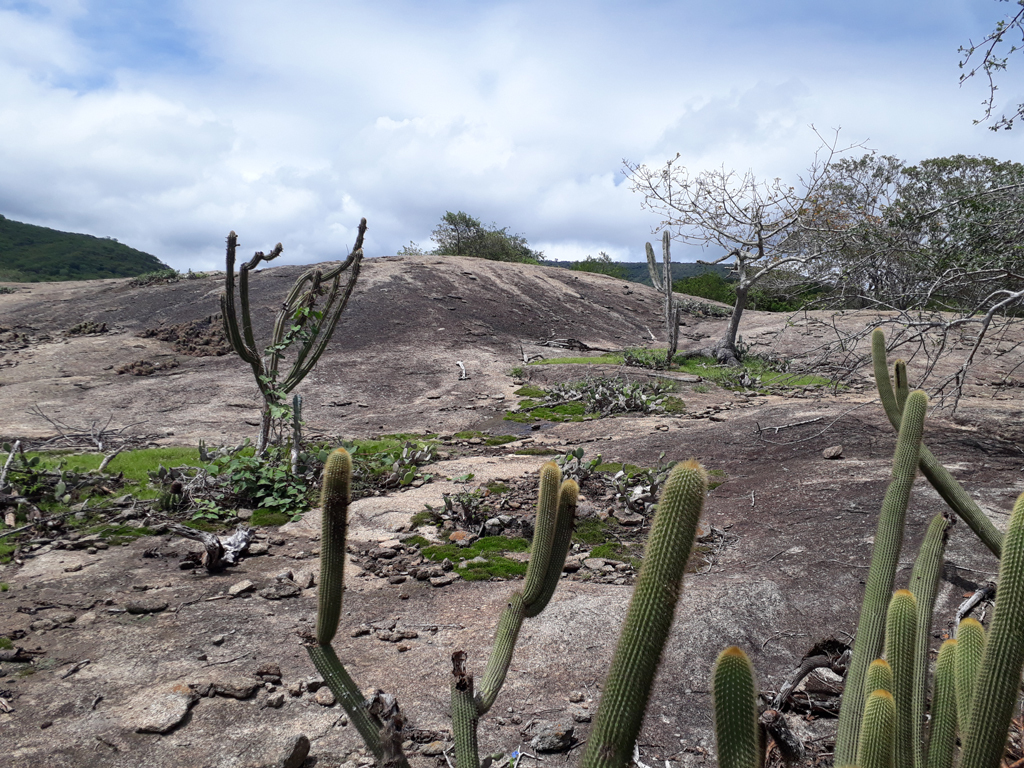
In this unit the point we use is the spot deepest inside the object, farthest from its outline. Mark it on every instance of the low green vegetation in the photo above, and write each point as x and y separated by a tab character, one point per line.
6	643
593	398
592	360
532	451
601	265
490	548
39	254
491	440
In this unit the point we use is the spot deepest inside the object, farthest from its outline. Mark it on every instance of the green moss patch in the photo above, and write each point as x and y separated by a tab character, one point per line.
269	517
530	391
491	548
6	643
597	360
536	452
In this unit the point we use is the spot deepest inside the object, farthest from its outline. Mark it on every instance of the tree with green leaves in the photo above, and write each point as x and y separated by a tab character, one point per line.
460	234
602	265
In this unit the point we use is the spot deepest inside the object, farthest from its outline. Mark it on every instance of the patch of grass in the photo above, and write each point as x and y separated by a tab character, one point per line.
530	391
497	487
592	531
6	643
517	373
269	517
489	547
416	541
492	440
116	535
715	473
536	452
600	360
674	405
701	389
615	466
426	517
4	586
6	552
558	413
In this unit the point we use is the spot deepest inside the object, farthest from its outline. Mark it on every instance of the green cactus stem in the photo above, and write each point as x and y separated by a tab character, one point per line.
464	714
648	619
501	654
877	732
543	534
734	694
348	695
900	646
995	691
942	736
334	500
568	495
924	583
881	574
944	483
879	677
970	647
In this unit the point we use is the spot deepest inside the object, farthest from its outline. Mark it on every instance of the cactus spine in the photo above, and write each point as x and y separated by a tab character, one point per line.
998	682
942	737
970	646
648	619
881	574
734	694
900	645
877	733
944	483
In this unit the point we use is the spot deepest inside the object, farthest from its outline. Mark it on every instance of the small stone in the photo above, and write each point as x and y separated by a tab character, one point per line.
553	737
391	544
276	700
324	697
447	565
397	579
269	672
580	714
241	587
462	538
86	619
236	688
285	575
162	709
629	518
217	639
443	581
91	550
295	689
145	606
360	631
258	548
243	514
280	590
63	617
577	696
45	724
305	579
291	754
101	545
594	563
43	625
383	553
833	452
403	648
433	749
73	568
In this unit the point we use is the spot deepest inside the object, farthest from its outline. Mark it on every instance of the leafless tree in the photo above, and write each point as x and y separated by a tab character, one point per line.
989	56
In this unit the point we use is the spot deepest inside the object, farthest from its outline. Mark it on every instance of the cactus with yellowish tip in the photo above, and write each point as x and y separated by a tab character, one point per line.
734	695
648	620
879	677
877	732
942	735
970	646
900	644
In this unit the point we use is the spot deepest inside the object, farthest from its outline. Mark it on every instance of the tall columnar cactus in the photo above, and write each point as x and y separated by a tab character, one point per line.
970	647
648	620
881	574
924	583
900	646
734	694
663	282
942	734
998	681
877	733
307	320
948	488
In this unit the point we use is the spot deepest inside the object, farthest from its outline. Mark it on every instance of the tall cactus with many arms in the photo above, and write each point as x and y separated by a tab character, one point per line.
944	483
304	295
881	574
648	619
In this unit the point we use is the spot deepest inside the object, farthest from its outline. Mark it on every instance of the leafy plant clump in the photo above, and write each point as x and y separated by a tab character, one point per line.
156	278
597	397
483	559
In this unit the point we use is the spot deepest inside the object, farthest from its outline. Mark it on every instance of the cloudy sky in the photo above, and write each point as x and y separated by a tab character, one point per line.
166	124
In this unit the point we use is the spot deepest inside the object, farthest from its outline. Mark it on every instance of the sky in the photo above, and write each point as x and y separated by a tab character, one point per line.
168	124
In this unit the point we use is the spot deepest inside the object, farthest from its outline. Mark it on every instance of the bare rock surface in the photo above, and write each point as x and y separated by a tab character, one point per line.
788	569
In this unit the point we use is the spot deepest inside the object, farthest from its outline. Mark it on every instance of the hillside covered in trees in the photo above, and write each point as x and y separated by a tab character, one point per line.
38	254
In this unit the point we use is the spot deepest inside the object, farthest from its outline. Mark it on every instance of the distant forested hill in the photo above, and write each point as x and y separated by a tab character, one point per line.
31	254
636	271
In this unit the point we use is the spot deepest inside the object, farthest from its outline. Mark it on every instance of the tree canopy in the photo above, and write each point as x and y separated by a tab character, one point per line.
459	234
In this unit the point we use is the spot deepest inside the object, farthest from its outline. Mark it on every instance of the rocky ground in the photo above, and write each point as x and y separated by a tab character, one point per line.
129	660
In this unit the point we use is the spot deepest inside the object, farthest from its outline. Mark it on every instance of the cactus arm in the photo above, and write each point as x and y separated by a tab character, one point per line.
334	501
879	677
652	267
944	483
900	645
348	694
568	494
970	647
501	654
734	694
924	583
998	680
648	619
543	534
881	574
464	714
942	738
878	731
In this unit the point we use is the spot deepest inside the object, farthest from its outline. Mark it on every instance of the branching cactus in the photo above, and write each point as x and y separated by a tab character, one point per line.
648	619
948	488
306	321
881	575
662	281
